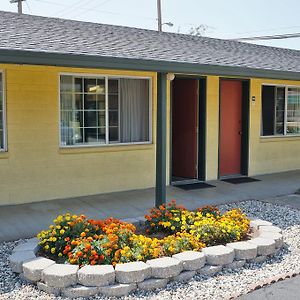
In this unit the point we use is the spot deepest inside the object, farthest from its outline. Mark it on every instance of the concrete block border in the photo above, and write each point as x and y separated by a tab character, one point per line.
69	280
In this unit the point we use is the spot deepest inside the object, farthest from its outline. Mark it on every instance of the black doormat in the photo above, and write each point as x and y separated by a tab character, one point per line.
239	180
195	186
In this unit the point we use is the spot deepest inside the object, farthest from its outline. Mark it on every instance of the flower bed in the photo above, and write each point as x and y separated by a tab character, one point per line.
107	257
80	241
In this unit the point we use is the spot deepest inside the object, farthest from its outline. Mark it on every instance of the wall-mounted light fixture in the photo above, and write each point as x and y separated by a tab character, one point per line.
170	76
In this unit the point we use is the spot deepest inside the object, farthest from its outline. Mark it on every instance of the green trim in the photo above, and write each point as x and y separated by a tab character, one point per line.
245	127
202	121
161	140
88	61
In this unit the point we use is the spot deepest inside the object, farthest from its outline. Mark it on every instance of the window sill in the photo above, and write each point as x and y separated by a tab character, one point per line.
286	138
105	148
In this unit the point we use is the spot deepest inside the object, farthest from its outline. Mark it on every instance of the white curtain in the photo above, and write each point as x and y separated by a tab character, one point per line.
134	110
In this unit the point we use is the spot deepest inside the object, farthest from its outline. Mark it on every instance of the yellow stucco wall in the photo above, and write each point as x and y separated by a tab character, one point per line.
35	169
270	155
212	128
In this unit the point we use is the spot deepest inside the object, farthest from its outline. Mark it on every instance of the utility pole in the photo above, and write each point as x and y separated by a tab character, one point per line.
159	18
20	10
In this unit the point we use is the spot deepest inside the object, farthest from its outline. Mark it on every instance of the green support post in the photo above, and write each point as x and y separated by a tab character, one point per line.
161	140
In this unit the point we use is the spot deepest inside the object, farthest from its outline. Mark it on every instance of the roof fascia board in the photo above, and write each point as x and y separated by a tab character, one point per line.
87	61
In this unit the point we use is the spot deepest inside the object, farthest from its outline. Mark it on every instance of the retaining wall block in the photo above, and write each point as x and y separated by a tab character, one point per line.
118	290
184	276
30	245
191	260
257	222
165	267
80	291
48	289
209	270
132	272
236	264
243	250
264	246
17	259
269	229
218	255
33	269
277	237
258	260
96	275
152	284
60	275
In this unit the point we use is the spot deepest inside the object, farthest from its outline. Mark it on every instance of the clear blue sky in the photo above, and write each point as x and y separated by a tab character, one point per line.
225	19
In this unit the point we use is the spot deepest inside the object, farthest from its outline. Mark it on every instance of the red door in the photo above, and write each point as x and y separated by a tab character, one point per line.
184	128
231	127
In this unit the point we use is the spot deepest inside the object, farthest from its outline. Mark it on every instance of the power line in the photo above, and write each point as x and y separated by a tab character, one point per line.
269	37
78	4
92	8
268	30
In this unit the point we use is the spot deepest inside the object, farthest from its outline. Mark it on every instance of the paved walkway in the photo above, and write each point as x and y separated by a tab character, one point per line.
284	290
20	221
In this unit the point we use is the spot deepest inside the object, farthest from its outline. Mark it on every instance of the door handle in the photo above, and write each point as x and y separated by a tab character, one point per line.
240	133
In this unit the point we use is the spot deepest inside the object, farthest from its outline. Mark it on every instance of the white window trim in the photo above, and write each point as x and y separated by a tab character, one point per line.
4	149
106	77
285	135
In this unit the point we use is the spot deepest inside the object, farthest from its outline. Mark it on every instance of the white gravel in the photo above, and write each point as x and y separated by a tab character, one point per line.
200	287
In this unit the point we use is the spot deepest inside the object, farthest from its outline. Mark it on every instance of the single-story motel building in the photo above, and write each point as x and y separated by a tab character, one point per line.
90	108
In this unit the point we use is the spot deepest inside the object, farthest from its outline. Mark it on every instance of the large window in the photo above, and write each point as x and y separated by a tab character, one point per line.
280	110
104	110
2	114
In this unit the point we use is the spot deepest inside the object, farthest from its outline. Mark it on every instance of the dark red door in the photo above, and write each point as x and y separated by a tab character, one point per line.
231	127
184	128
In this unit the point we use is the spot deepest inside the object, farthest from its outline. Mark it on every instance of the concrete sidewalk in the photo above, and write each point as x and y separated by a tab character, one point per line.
26	220
283	290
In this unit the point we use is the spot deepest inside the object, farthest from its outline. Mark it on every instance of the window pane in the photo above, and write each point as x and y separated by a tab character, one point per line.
90	85
66	84
101	119
90	118
100	86
280	106
1	139
71	118
78	85
113	134
90	101
1	120
293	111
101	135
66	101
268	110
113	118
100	101
71	135
91	135
113	86
113	101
